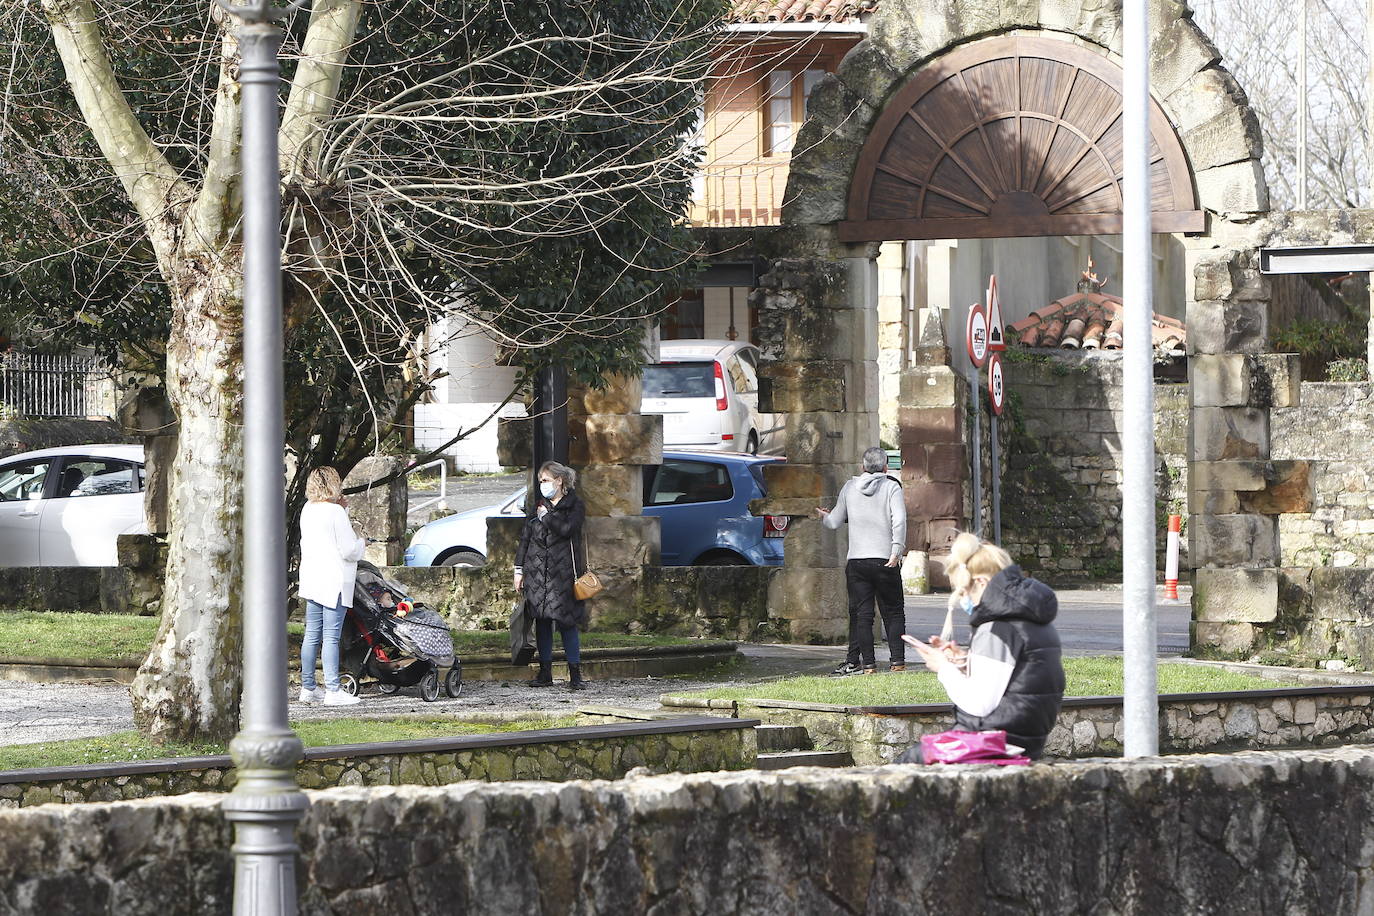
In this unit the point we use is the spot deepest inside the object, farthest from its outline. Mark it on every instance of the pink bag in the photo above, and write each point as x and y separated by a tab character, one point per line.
970	747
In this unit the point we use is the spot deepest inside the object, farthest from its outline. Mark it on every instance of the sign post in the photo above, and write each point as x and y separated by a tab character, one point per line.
997	394
976	341
997	333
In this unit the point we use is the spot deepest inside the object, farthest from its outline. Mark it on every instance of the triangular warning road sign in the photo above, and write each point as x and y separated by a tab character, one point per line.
997	339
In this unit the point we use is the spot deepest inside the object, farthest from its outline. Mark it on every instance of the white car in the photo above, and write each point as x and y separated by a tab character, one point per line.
708	394
66	506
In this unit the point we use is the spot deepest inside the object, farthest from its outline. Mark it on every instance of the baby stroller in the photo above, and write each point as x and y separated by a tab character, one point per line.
395	641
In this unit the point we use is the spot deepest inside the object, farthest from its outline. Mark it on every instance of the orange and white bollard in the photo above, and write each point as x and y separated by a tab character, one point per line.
1171	559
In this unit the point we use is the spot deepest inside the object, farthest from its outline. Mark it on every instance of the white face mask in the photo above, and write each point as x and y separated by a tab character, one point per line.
966	604
549	490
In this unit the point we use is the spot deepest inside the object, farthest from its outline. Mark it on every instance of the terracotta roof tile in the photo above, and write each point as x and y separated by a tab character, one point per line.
1090	321
799	10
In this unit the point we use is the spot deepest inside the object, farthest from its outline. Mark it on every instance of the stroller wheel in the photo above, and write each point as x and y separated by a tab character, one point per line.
385	688
348	682
453	681
429	687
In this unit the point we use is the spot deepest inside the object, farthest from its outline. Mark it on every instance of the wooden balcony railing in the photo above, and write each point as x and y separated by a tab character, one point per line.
741	194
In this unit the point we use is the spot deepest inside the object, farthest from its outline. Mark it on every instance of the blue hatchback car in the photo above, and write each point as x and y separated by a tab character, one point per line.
702	499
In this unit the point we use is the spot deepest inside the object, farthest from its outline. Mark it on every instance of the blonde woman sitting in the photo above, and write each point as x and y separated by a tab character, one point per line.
1011	678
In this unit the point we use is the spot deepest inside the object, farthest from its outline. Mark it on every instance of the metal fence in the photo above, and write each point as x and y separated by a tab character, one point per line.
37	385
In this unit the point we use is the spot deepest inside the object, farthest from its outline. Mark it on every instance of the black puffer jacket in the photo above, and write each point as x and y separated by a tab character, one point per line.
546	558
1021	611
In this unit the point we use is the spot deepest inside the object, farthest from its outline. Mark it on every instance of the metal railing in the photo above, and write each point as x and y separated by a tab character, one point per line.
40	385
741	194
442	499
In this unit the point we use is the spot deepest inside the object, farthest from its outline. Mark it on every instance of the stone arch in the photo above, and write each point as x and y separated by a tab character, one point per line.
818	302
1011	136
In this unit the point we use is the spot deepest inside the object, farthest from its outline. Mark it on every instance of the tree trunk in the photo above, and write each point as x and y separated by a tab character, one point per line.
188	687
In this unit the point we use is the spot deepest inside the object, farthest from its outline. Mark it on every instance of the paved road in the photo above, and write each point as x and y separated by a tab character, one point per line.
1089	622
468	491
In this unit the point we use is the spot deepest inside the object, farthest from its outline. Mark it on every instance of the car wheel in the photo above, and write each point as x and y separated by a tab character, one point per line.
723	559
453	681
752	446
467	559
348	683
429	687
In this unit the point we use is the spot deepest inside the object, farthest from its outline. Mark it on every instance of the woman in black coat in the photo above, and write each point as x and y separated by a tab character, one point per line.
546	566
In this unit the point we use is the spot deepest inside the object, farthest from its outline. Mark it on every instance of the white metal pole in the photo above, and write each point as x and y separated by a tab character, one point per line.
1302	106
1141	710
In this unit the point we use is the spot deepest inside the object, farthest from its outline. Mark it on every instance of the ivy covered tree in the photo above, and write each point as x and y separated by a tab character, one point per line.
518	168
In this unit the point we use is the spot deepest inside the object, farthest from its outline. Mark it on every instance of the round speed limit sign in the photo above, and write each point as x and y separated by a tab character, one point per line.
976	335
997	390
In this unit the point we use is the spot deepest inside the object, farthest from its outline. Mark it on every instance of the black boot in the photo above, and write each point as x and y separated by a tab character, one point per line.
545	676
575	681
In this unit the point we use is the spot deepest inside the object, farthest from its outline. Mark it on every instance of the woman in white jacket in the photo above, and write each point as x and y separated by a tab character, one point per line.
330	551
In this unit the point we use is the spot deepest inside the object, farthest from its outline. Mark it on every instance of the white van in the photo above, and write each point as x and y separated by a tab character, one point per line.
708	394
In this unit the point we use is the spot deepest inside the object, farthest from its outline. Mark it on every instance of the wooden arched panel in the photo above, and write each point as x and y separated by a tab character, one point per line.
1012	136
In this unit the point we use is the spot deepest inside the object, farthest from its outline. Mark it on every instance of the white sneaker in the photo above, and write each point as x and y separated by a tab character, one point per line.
339	698
311	696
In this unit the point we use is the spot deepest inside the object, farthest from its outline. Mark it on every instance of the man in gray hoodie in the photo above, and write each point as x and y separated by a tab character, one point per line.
875	509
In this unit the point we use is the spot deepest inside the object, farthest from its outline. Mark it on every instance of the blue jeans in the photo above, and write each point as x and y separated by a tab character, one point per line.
322	623
543	637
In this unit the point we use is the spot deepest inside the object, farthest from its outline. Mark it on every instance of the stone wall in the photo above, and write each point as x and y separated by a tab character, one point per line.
1330	428
1092	726
728	602
687	745
133	587
1061	483
1208	834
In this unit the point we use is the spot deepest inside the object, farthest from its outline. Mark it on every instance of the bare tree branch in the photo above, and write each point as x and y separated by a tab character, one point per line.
315	87
153	185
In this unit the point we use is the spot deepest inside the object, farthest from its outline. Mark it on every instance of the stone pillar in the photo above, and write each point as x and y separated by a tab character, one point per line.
609	443
818	320
892	337
379	513
147	413
1235	492
934	401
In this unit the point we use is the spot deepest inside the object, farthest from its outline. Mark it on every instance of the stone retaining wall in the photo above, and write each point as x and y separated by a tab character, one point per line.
685	745
720	602
1207	834
1061	483
1314	605
1092	726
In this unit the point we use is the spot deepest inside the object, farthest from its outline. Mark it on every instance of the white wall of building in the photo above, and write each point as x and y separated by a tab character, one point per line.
1034	272
472	389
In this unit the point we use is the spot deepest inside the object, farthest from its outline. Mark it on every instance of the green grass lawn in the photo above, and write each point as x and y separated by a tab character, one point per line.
32	634
40	635
127	746
1085	677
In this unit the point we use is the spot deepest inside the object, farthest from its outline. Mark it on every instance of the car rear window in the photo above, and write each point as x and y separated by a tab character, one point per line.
680	482
680	380
756	470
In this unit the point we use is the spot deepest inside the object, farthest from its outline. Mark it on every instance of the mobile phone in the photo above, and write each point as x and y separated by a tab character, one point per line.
913	641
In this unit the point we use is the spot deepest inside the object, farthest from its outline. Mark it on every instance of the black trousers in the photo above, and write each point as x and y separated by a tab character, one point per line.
866	580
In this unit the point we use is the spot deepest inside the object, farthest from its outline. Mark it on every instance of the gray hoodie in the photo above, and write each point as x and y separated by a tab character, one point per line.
875	509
